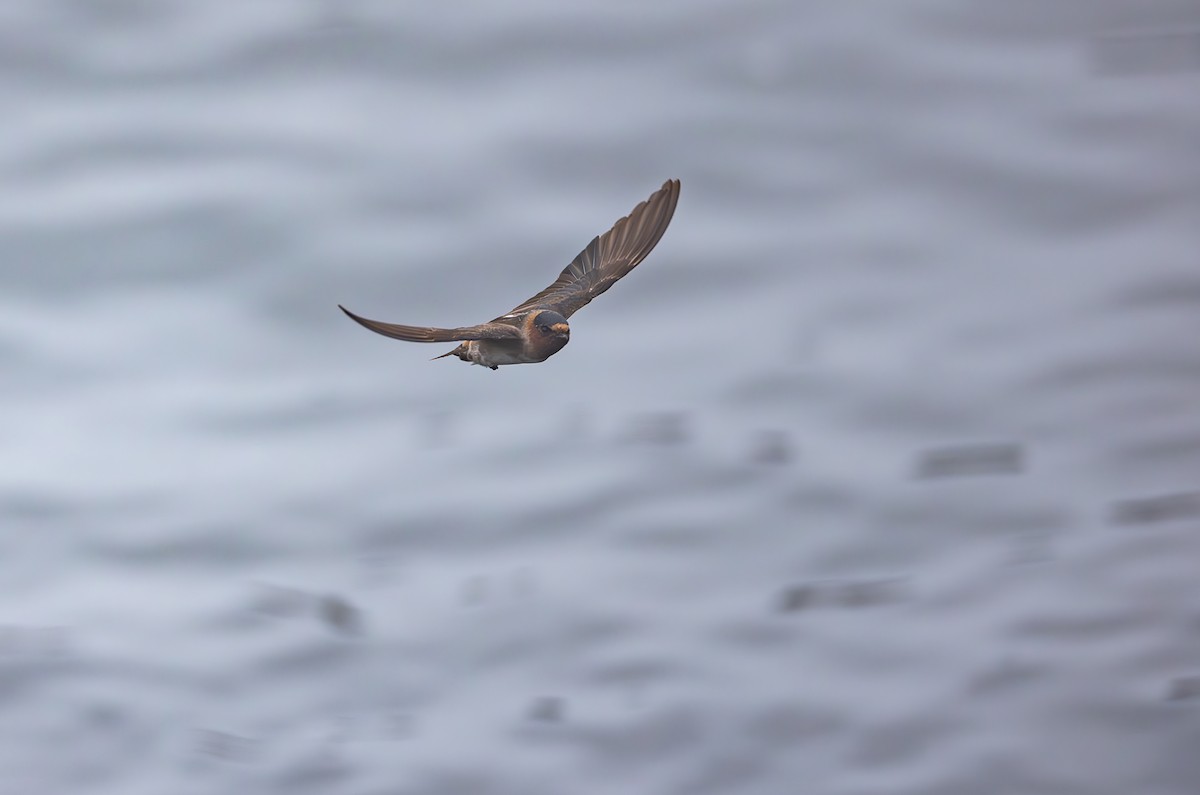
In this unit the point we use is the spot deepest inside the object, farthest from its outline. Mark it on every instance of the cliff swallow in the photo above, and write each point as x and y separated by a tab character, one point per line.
537	329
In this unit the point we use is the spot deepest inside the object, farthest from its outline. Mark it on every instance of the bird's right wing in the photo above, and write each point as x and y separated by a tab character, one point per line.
609	256
484	331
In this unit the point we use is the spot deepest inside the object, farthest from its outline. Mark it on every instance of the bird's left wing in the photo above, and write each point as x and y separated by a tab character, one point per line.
484	331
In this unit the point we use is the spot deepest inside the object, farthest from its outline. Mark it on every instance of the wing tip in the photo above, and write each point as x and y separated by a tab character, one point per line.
672	187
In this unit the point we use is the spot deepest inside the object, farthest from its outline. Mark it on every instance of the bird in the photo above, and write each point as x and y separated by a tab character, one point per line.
537	328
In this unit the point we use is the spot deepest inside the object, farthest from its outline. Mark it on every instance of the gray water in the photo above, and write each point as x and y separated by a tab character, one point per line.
879	476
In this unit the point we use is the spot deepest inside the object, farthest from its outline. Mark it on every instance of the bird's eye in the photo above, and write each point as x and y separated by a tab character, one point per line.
545	329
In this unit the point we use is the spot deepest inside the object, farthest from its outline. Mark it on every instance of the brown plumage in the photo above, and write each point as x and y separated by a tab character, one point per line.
537	328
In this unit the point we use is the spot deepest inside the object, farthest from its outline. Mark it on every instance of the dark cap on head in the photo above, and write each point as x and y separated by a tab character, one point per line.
548	317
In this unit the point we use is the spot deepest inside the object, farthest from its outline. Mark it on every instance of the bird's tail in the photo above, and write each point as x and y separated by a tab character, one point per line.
459	352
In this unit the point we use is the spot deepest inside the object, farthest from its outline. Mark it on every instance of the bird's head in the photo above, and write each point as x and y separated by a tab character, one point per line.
551	325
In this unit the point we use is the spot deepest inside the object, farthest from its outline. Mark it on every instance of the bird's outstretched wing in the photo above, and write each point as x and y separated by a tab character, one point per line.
610	256
484	331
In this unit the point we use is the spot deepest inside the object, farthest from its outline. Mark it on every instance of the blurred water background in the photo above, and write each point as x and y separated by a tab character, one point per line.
879	476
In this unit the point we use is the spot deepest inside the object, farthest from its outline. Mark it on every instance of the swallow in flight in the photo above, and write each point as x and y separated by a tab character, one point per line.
537	329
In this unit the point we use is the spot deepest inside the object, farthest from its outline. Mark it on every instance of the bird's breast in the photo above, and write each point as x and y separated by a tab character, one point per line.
541	349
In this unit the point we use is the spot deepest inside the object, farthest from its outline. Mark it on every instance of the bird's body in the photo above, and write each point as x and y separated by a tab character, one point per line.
538	329
494	353
543	334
